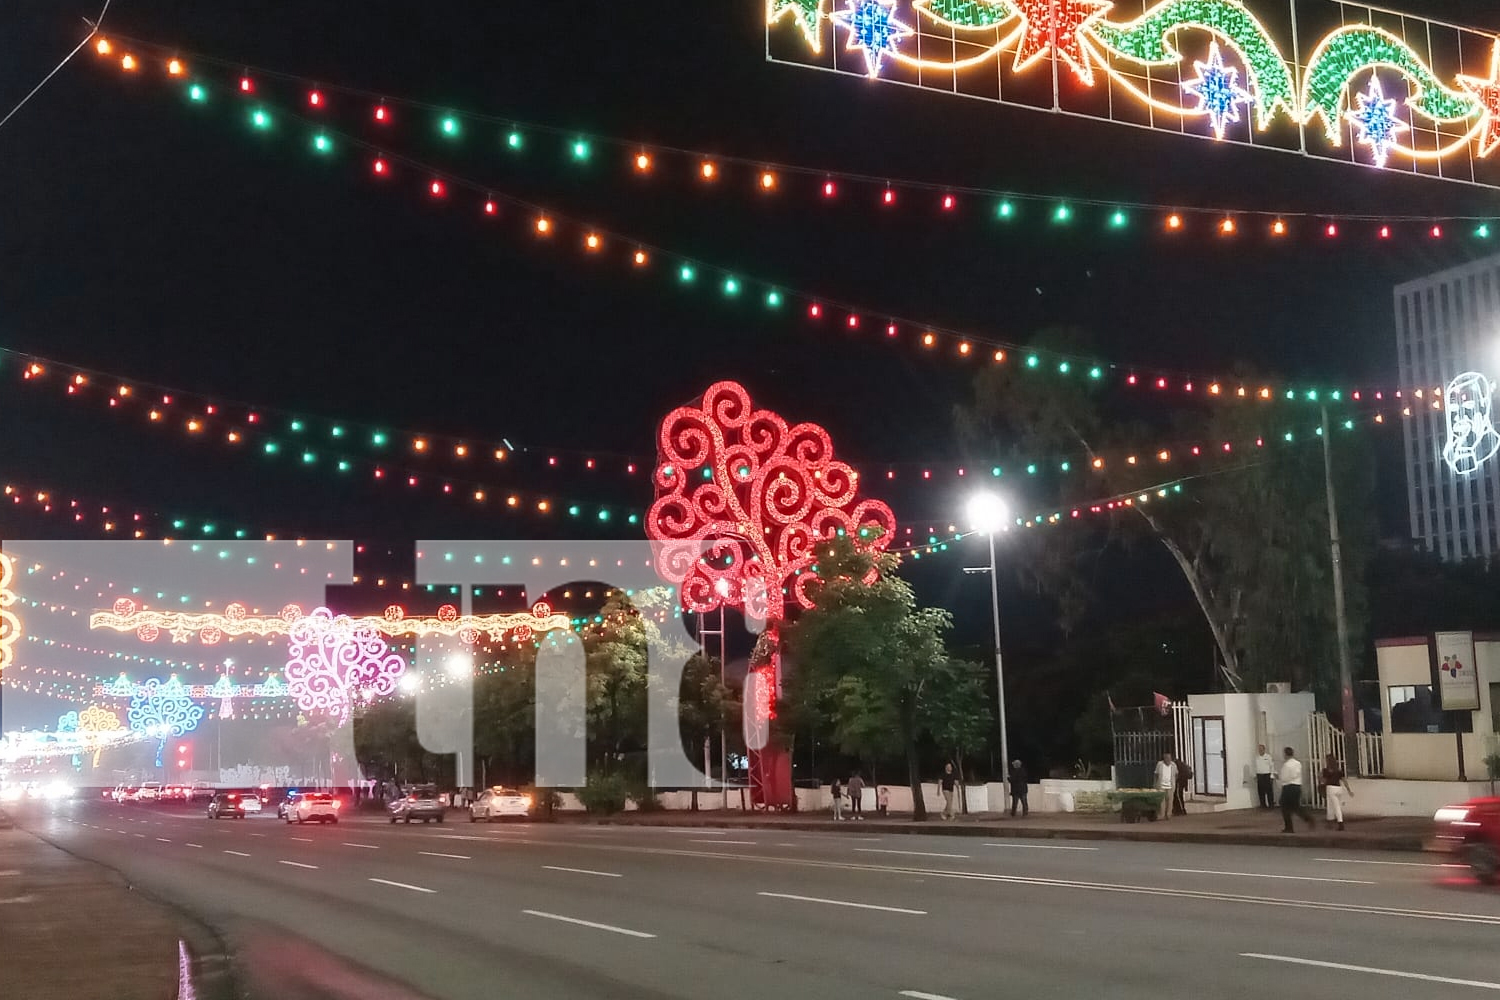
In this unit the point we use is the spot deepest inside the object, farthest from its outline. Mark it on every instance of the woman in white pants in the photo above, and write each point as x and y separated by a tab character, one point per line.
1335	789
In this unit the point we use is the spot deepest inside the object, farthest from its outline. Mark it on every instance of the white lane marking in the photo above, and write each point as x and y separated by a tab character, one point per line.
842	902
297	864
1054	883
919	995
141	835
403	885
238	854
589	923
257	835
163	840
455	857
9	873
199	846
1044	847
1288	878
1394	973
462	836
738	843
303	840
17	899
363	847
786	845
696	833
582	871
915	854
1393	864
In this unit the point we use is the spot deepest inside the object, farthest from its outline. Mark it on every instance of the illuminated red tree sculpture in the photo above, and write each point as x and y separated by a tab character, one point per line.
742	499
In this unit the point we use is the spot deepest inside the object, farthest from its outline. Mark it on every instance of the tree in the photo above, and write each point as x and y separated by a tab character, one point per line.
955	711
1248	535
868	654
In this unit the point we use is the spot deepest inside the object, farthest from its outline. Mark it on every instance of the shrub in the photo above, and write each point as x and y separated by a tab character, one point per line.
604	795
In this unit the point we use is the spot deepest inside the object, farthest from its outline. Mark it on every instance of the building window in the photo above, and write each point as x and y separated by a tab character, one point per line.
1414	709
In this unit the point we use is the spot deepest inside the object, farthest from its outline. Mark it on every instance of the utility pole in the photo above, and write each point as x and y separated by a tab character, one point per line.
1346	672
999	674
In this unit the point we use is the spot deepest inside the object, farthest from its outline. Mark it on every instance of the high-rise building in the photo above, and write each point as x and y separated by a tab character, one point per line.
1448	343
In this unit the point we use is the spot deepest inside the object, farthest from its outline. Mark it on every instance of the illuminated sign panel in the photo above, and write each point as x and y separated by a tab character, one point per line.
1318	77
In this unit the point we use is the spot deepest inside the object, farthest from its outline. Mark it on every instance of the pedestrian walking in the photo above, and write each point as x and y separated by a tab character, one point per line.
1166	783
882	800
1265	766
1019	780
837	790
949	784
856	796
1291	792
1335	789
1179	794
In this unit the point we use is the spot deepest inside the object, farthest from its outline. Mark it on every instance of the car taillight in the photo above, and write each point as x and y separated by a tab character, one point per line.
233	797
411	798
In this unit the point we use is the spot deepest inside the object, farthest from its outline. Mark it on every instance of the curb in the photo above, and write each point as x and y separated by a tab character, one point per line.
1371	842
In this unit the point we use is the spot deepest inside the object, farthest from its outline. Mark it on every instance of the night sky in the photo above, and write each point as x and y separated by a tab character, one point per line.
172	244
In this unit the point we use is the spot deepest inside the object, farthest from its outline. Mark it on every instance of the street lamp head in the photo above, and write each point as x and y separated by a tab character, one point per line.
987	513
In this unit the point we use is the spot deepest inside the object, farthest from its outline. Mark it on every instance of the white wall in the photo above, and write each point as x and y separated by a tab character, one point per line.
1285	726
1394	797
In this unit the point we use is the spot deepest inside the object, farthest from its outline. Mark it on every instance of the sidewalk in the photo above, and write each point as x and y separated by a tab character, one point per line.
1247	827
74	931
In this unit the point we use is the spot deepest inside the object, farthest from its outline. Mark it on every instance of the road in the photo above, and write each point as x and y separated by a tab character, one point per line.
473	912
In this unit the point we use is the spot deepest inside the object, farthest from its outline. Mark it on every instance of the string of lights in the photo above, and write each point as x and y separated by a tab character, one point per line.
691	274
390	116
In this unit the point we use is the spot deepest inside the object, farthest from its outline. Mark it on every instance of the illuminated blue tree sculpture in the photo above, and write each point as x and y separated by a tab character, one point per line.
163	712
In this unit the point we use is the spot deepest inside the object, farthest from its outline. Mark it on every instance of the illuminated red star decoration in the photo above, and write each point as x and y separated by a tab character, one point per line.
1055	28
1488	92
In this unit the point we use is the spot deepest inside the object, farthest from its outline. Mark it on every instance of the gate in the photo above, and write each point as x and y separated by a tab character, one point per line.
1323	738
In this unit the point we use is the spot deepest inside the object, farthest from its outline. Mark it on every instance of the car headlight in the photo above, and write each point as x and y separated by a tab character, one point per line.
526	800
1451	814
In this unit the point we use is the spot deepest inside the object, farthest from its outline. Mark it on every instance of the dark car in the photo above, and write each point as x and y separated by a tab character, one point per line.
1472	831
226	805
419	803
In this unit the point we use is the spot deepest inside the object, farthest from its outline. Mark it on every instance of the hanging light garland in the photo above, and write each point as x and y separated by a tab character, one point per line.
388	117
689	274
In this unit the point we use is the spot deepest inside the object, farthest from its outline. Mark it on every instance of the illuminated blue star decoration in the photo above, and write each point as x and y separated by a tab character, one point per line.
1379	125
1218	90
873	29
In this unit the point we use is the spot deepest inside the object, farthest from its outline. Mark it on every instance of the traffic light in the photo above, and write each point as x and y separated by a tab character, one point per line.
184	756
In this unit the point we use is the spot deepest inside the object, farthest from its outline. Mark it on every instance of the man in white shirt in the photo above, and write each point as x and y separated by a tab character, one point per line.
1291	792
1166	781
1264	768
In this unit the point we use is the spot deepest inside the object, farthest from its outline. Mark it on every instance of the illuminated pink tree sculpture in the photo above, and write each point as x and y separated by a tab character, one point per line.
742	499
331	659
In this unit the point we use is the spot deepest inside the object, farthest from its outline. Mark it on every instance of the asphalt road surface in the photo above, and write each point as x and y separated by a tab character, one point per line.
572	912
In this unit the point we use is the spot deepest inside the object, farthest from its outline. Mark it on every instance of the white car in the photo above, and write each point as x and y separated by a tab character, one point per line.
313	807
251	802
149	792
499	802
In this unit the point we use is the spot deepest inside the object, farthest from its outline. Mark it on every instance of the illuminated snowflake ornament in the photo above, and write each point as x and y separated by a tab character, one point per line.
873	29
1379	125
1218	91
332	660
1472	437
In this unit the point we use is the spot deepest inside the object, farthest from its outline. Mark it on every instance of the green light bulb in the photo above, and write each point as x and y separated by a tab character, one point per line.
260	119
1483	232
309	458
1062	214
322	143
580	150
297	426
514	140
378	439
686	274
1096	373
1119	220
197	93
731	286
1063	368
1005	210
272	447
1032	361
773	299
450	126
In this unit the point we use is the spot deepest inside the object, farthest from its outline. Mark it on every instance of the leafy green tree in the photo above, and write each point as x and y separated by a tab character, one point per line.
706	707
867	655
955	712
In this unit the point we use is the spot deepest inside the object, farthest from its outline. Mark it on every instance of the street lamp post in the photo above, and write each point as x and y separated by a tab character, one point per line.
987	514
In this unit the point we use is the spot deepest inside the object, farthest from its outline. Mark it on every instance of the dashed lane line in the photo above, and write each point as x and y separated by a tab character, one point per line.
588	923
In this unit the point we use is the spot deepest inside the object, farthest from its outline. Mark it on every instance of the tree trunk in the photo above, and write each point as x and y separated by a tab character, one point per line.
914	779
1229	660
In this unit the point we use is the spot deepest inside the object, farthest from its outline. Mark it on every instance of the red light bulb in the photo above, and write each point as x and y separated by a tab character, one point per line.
830	189
247	85
889	197
379	166
382	114
438	189
315	98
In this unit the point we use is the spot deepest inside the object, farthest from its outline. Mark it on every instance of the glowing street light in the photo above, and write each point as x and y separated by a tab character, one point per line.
989	514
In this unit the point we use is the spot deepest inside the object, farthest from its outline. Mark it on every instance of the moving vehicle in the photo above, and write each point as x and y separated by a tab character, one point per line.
311	807
251	802
500	802
226	804
1472	831
148	792
418	803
